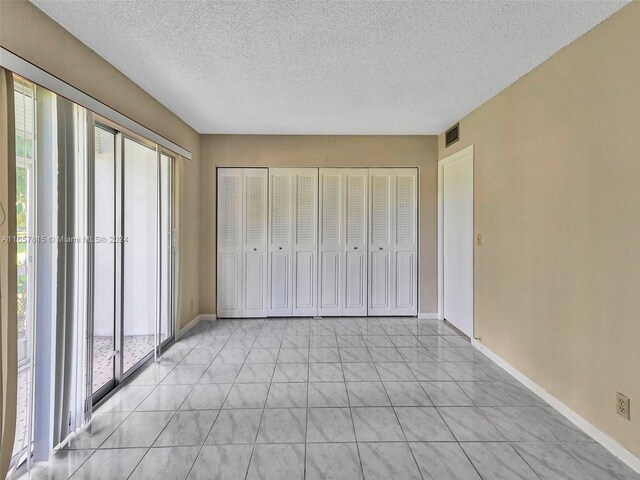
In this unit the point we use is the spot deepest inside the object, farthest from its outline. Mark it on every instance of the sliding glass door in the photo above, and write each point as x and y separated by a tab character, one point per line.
141	211
166	300
24	98
95	262
104	312
133	267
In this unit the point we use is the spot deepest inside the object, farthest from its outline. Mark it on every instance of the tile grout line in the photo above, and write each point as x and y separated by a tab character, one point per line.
221	405
406	442
255	440
122	421
353	425
140	403
237	328
457	442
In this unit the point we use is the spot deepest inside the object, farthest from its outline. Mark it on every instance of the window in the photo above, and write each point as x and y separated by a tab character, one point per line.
25	229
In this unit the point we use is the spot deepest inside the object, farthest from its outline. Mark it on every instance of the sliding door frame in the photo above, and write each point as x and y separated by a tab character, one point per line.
120	375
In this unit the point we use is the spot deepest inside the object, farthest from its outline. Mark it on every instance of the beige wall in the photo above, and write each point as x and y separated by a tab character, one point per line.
320	151
557	190
29	33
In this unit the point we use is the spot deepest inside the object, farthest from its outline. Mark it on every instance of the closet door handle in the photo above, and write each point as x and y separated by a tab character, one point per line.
355	248
279	248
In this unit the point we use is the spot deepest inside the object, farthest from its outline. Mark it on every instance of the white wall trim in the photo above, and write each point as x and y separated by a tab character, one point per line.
25	69
182	331
202	317
441	163
599	436
428	316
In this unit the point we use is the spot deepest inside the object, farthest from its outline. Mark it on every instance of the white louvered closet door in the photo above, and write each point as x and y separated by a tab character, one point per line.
305	242
393	266
280	245
405	241
355	242
380	242
254	283
229	261
331	242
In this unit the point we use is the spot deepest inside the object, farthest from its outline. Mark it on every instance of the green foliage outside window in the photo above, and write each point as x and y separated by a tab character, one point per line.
21	231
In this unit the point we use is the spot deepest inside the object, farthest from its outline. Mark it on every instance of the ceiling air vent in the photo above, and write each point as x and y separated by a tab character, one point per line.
452	135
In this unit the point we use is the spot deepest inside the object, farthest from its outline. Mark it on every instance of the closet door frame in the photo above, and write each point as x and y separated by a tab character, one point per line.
289	249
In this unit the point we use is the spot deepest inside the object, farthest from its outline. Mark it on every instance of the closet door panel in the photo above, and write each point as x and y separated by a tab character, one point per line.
405	238
379	283
281	184
381	268
355	283
229	271
393	235
355	241
280	284
405	283
305	247
330	282
229	279
255	242
305	270
255	283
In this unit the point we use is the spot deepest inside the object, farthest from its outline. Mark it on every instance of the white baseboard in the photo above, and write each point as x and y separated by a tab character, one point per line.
208	316
182	331
428	316
599	436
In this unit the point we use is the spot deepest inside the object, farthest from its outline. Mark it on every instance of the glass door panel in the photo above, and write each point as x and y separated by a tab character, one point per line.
25	231
140	246
166	231
104	346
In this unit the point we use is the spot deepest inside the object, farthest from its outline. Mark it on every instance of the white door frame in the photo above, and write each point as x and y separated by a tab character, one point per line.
451	158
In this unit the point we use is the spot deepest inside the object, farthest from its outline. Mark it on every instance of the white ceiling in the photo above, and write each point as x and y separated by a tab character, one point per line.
353	67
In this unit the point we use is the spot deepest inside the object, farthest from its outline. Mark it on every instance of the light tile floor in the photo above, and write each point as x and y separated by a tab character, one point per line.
23	394
136	347
342	398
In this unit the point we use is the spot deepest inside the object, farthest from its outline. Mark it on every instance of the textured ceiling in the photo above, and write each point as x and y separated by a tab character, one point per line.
356	67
